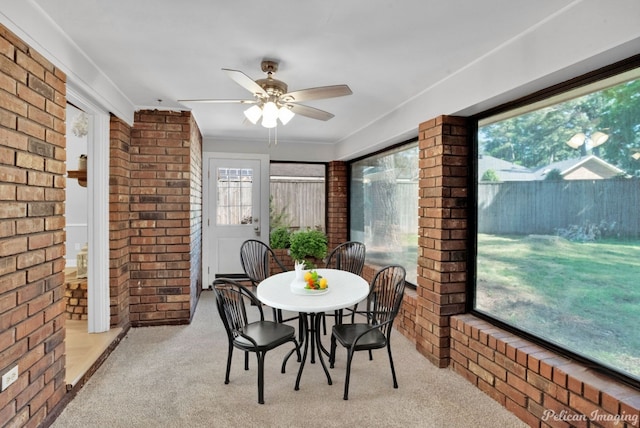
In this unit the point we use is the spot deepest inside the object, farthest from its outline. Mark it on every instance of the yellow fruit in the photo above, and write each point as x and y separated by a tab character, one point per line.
323	283
307	276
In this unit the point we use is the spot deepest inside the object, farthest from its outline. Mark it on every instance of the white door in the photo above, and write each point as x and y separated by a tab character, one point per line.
236	208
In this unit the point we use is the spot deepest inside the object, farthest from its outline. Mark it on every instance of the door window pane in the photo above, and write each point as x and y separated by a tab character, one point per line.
234	196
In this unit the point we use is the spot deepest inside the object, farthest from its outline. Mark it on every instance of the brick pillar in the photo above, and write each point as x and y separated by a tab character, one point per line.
337	203
442	270
161	186
119	230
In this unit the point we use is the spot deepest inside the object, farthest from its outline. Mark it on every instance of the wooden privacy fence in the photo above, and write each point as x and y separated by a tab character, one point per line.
542	207
302	200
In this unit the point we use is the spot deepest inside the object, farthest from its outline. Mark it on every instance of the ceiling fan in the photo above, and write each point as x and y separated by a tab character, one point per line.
272	102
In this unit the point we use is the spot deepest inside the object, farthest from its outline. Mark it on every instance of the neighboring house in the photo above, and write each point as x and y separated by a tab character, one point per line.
589	167
505	170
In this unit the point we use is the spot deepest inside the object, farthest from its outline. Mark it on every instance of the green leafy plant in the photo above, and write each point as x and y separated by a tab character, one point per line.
490	175
307	244
278	217
279	237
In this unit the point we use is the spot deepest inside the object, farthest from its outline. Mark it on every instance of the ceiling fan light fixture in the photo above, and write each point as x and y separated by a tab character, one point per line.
285	114
270	115
598	138
253	113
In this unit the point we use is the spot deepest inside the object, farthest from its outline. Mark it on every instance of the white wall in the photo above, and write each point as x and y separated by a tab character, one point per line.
77	197
282	151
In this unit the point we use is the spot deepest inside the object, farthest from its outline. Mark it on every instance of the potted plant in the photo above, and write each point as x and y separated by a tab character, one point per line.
279	237
308	246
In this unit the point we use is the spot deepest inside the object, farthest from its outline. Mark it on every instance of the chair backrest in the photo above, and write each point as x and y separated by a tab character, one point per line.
254	257
347	256
231	300
385	295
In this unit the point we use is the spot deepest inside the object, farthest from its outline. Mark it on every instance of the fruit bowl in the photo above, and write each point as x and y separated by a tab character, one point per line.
314	281
310	283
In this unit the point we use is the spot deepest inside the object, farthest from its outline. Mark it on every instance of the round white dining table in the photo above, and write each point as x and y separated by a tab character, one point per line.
344	289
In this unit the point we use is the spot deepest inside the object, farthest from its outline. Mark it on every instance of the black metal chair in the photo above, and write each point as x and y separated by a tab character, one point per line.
255	258
383	304
258	336
348	256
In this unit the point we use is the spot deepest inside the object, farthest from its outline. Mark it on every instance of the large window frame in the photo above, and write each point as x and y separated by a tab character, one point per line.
604	77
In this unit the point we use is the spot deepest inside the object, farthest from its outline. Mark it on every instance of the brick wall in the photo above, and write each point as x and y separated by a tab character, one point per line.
160	204
32	193
119	230
540	387
195	210
76	296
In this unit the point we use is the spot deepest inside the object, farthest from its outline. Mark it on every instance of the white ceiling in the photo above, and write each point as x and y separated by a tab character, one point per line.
388	51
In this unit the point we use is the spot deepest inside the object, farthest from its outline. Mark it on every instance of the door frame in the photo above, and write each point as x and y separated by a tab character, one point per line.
98	144
207	209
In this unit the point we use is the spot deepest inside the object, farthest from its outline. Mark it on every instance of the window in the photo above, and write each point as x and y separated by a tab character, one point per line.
384	207
234	196
298	195
558	230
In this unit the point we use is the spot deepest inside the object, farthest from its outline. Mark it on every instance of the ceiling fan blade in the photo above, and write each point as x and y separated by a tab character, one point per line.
212	101
245	81
316	93
311	112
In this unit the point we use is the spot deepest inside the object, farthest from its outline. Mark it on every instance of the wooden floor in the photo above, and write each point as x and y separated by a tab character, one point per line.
84	349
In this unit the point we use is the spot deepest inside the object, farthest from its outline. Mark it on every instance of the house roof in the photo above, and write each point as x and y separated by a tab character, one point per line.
598	166
592	167
506	171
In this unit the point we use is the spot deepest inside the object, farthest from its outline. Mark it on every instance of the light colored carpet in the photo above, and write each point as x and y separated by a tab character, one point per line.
173	376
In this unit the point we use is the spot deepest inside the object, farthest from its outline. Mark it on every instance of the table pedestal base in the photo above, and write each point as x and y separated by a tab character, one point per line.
312	335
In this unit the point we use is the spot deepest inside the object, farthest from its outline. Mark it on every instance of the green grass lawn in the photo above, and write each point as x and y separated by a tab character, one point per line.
583	296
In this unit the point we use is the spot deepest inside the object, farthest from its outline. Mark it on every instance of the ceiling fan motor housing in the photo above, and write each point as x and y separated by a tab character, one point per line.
273	87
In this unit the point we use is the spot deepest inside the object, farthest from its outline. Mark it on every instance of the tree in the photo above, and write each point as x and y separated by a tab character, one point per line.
539	137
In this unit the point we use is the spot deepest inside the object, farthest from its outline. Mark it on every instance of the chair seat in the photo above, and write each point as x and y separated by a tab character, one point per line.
346	334
267	335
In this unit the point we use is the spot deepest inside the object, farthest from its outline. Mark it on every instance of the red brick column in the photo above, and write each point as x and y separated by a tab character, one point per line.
337	203
442	238
161	186
119	230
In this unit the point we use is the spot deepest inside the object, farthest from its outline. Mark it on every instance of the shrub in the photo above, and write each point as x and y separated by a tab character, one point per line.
587	232
279	237
307	244
554	175
490	175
